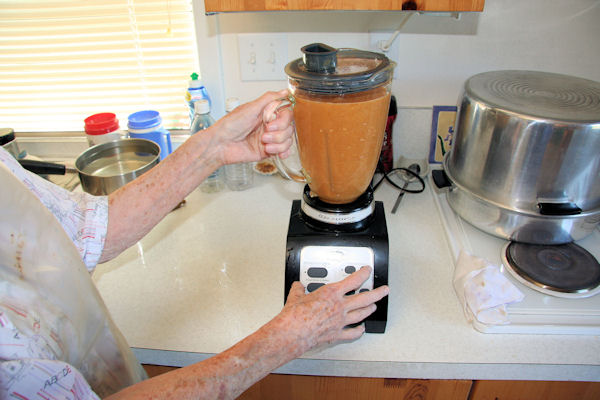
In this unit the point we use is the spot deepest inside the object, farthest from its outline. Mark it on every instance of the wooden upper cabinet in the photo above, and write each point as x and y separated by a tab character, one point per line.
212	6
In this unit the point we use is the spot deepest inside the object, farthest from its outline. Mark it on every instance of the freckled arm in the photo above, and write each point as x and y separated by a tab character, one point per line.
243	135
305	322
134	209
226	375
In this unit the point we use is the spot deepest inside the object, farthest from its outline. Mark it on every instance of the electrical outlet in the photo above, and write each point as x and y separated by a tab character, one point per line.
378	38
262	56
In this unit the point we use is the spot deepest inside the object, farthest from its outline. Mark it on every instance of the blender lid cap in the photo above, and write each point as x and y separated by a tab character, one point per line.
319	57
324	69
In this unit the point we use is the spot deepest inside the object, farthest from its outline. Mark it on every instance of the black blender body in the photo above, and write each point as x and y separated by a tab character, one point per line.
304	233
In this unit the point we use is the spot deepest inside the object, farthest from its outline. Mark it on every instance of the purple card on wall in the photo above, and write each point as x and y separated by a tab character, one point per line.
442	132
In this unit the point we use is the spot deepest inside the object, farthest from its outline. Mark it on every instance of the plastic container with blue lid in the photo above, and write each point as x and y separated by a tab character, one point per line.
147	124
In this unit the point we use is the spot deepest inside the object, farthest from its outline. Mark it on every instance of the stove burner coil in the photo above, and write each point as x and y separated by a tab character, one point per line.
565	268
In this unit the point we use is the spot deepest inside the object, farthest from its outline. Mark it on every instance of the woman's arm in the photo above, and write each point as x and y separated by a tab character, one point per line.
240	136
306	321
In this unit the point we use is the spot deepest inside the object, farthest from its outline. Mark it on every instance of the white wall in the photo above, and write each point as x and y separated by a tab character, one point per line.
436	54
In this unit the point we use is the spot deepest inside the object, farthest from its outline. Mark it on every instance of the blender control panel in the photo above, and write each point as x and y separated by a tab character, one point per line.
320	265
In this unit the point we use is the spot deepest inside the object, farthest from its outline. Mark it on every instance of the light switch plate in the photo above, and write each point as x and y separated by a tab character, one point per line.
262	56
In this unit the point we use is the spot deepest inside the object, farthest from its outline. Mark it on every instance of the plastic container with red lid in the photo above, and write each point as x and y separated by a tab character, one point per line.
102	128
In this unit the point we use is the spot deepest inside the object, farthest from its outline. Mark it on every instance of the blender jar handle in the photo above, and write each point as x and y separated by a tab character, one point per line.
287	172
298	176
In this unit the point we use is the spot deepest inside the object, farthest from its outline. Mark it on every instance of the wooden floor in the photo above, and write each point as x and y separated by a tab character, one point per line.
304	387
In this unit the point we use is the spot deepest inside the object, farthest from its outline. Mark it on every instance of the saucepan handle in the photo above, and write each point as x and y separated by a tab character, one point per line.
43	167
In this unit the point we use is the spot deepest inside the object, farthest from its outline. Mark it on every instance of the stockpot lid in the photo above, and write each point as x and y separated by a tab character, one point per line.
537	94
324	69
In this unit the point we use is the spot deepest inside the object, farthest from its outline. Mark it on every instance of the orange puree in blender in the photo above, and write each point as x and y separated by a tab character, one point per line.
339	140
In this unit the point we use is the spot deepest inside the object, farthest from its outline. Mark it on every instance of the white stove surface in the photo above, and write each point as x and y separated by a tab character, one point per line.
538	313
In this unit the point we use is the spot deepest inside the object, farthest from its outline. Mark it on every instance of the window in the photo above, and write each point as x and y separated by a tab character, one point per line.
61	61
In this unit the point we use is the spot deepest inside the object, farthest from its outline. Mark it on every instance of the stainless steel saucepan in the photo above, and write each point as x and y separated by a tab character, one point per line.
106	167
525	159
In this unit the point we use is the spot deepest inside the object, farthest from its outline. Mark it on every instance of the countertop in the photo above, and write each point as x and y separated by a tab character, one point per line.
212	272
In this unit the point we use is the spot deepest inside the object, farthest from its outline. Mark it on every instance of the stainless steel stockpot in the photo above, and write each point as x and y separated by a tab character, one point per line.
525	160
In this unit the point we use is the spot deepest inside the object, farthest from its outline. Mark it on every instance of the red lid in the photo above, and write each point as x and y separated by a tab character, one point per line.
99	124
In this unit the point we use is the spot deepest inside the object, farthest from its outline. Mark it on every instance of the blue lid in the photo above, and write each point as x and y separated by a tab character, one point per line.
144	119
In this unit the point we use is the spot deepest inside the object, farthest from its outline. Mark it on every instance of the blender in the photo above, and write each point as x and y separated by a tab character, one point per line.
340	100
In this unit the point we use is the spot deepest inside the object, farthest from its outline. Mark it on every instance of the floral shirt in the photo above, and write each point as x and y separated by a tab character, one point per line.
84	217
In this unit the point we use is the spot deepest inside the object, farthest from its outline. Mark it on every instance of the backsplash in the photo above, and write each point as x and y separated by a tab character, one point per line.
411	133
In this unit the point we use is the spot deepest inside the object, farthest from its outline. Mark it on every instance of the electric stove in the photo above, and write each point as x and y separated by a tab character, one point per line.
561	295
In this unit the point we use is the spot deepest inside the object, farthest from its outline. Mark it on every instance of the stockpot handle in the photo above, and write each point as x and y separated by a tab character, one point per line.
441	180
558	209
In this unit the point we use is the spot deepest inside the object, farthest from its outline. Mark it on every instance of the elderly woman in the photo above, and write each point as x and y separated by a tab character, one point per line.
47	347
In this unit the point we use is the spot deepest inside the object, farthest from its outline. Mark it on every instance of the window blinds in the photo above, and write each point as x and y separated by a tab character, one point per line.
61	61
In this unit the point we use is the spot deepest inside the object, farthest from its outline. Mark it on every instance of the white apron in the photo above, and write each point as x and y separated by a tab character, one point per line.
57	312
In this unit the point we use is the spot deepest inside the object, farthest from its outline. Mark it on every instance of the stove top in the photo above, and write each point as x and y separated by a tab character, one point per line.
537	313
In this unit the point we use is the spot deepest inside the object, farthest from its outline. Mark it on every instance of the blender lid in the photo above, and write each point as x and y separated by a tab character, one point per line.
324	69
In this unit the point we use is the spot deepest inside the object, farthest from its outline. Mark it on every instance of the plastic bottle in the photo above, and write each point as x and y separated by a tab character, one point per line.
196	91
237	176
202	120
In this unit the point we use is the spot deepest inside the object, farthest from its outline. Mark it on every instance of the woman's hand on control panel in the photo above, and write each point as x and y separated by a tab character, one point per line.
306	321
323	316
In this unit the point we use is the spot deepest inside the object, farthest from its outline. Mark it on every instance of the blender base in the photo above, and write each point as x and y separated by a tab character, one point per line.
343	252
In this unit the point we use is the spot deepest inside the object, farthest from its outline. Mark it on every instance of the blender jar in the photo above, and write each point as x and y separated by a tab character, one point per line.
341	101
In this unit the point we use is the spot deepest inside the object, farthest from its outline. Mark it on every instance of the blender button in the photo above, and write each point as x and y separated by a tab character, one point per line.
314	286
317	272
363	290
350	269
350	292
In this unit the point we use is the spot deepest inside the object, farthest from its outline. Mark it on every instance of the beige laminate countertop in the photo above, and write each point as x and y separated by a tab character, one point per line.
212	272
